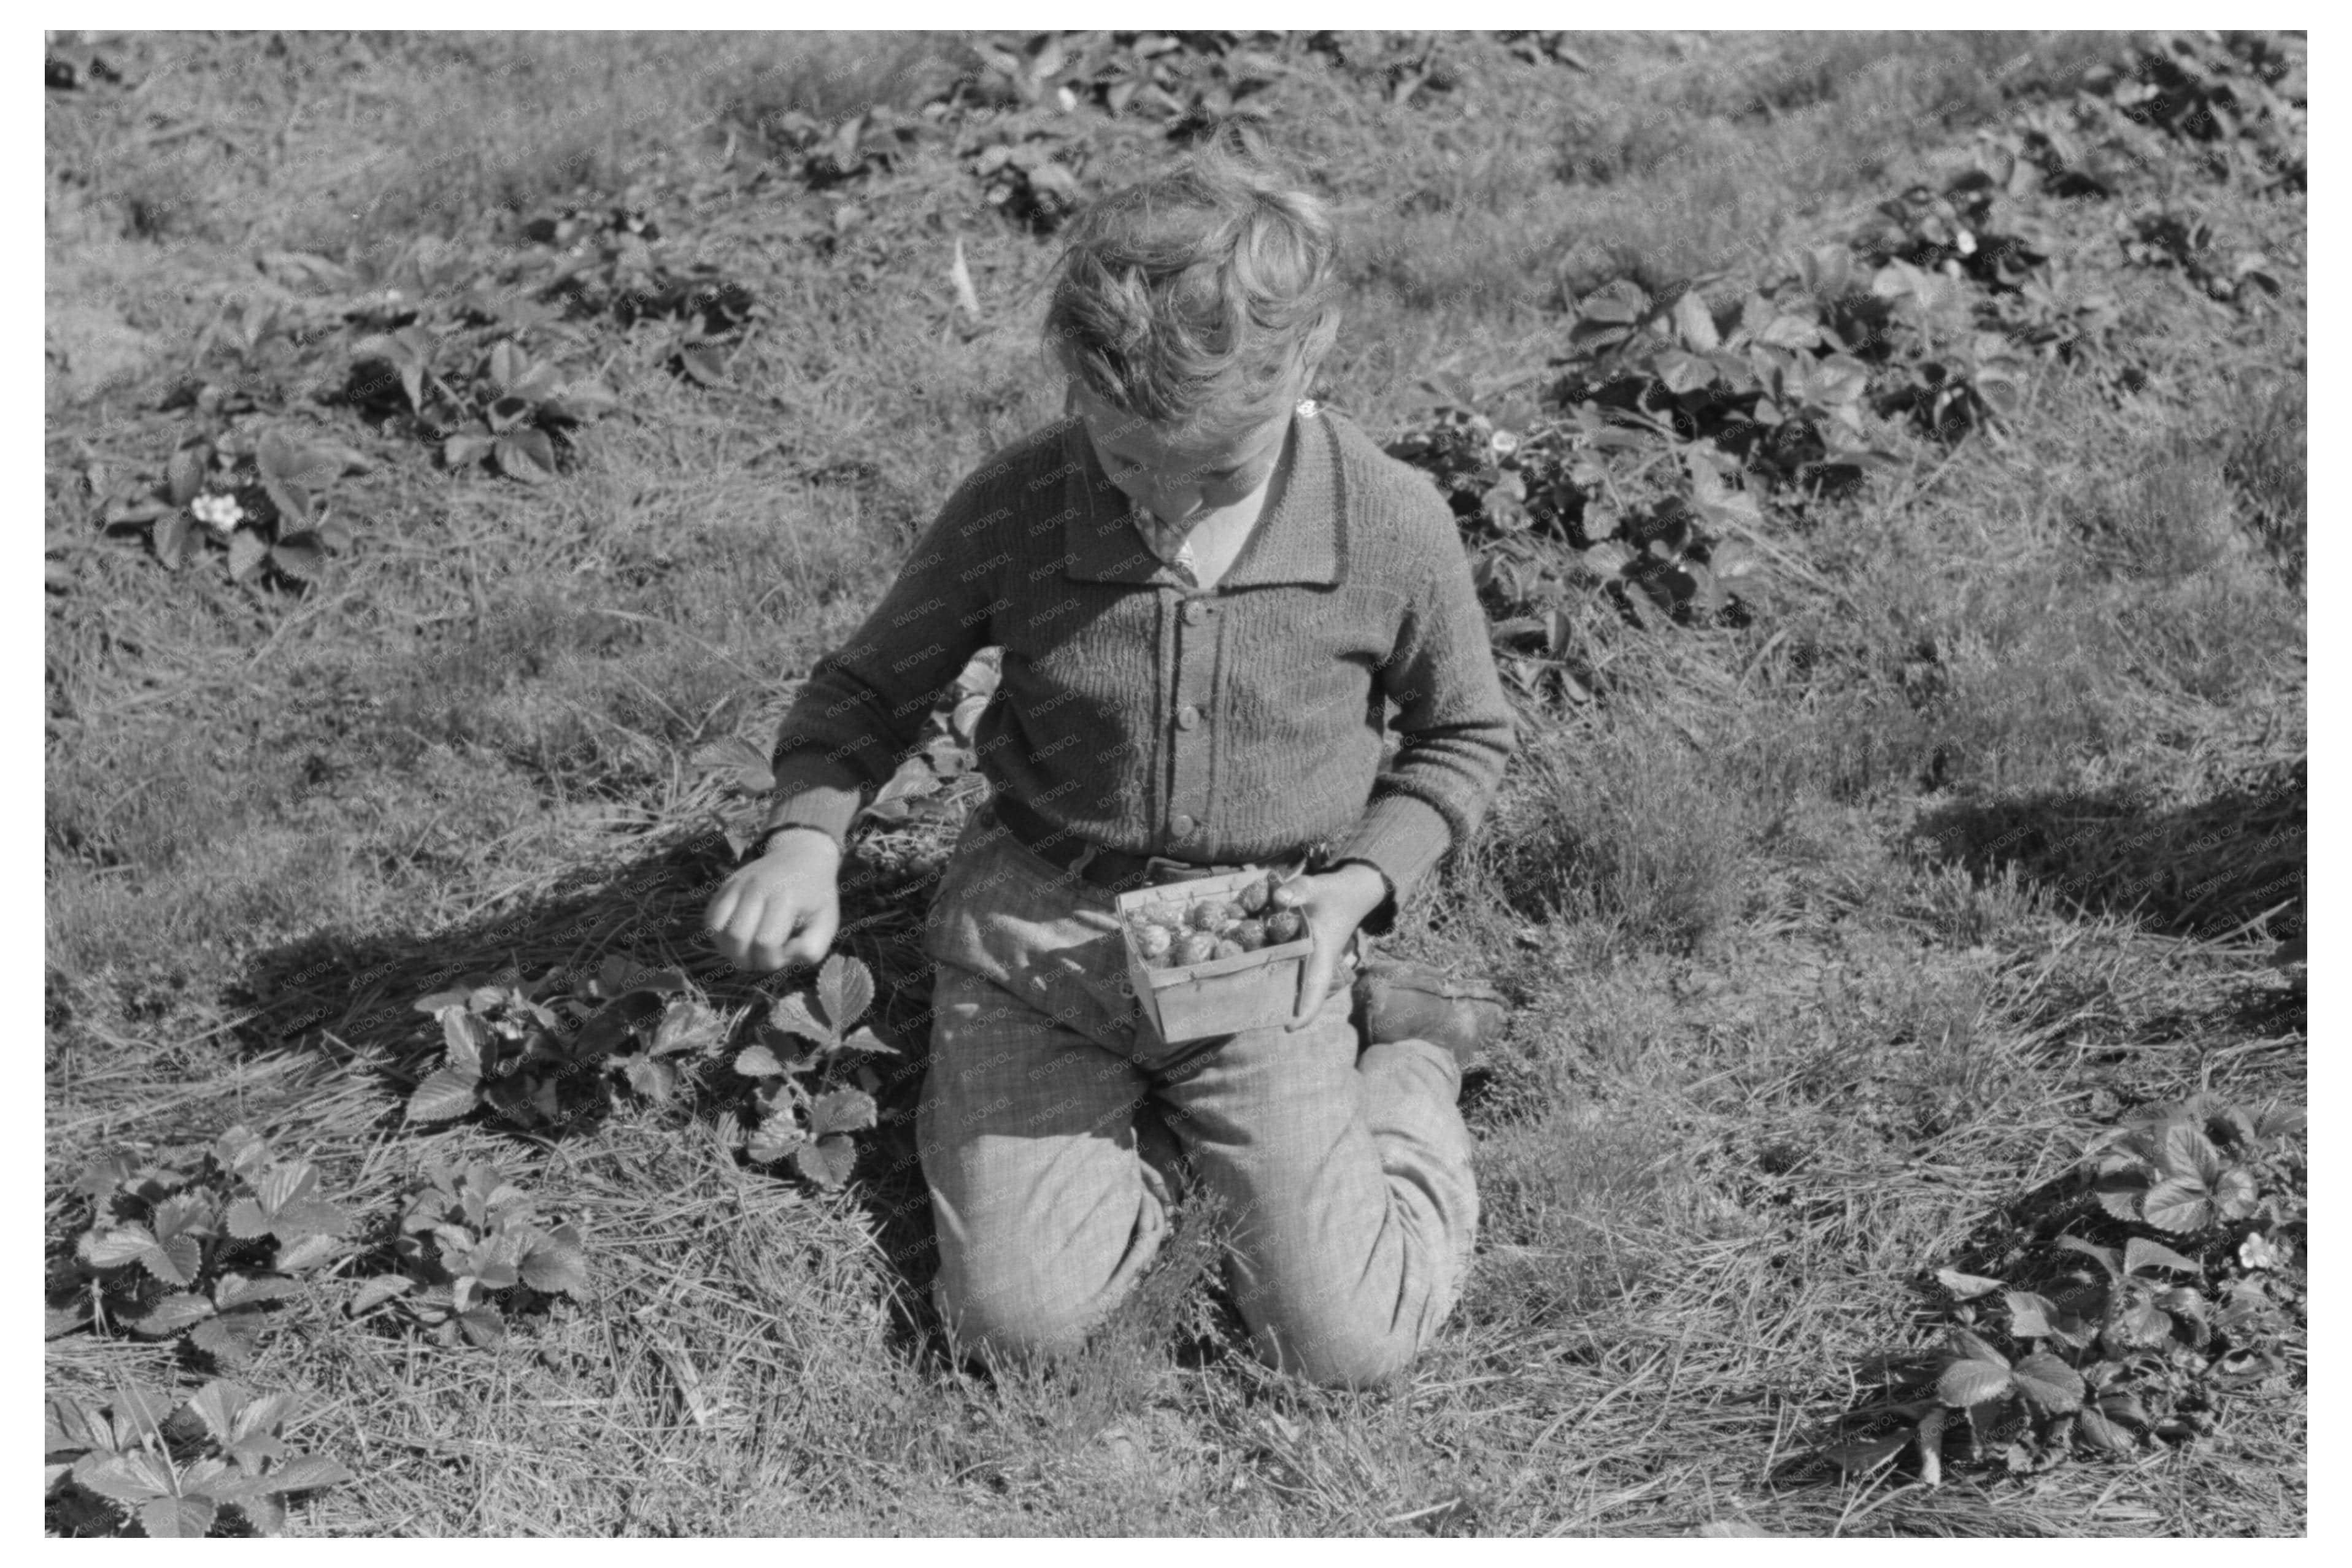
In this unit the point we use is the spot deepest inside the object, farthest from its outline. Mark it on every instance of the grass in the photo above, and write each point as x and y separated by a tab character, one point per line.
1826	939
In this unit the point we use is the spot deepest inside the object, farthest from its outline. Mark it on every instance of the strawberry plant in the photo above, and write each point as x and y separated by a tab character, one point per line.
536	1057
2184	1173
611	268
201	1242
1966	385
524	410
799	1108
261	500
1960	233
822	156
471	1250
2238	95
245	357
129	1464
2112	1346
2178	238
1030	181
1768	382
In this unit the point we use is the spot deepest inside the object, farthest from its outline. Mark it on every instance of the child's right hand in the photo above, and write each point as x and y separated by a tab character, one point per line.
782	909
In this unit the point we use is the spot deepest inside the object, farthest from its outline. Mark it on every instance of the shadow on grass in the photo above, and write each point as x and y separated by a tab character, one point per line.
2203	871
356	1001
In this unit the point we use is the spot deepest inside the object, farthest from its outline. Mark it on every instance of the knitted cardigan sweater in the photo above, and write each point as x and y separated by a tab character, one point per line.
1238	722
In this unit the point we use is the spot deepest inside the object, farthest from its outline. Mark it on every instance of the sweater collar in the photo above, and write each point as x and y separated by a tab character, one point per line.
1303	539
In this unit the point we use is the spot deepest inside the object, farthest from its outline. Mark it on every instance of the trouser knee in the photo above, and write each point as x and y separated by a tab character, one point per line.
1005	1316
1335	1355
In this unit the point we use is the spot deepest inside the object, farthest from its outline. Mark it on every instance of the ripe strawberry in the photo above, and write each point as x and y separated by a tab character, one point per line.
1285	925
1213	914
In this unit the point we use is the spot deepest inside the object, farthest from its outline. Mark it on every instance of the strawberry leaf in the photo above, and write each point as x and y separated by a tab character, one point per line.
656	1080
773	1140
687	1026
556	1263
2178	1204
1970	1382
447	1094
2030	1316
184	474
2048	1383
374	1292
1966	1287
2104	1255
464	450
2095	1430
284	1184
482	1326
827	1162
308	1253
116	1247
2141	1254
866	1041
2236	1195
526	454
2120	1193
216	1406
177	1517
2184	1151
172	1314
790	1015
758	1061
229	1338
845	989
176	539
246	554
304	1473
174	1260
128	1477
300	554
842	1110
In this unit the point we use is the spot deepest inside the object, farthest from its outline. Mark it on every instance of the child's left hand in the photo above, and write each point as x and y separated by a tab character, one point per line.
1334	903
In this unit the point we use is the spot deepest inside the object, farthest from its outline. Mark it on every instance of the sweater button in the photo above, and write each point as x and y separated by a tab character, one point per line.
1181	825
1188	717
1195	612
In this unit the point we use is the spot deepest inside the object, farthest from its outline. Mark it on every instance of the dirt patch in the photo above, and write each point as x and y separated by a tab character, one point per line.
87	347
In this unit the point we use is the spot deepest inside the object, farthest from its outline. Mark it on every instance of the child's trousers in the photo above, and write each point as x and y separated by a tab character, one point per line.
1348	1178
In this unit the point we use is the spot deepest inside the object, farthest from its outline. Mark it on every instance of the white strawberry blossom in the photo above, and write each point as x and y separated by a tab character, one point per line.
219	513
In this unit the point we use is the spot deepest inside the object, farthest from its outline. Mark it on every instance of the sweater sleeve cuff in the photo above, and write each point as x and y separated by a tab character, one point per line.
812	793
1401	837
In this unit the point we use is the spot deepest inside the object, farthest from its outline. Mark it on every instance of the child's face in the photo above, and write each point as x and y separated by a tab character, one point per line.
1179	484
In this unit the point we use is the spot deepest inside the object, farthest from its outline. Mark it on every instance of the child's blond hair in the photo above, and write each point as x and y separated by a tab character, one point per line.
1187	300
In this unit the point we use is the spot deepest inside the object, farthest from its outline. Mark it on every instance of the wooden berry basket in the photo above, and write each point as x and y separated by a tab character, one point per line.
1222	996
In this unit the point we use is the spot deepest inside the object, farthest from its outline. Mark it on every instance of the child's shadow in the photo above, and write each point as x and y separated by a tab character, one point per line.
2206	870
